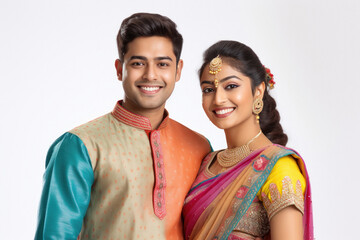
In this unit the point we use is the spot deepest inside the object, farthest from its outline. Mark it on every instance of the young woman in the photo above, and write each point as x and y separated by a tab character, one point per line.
256	187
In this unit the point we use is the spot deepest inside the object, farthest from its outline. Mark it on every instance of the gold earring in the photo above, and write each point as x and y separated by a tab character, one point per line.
215	67
257	108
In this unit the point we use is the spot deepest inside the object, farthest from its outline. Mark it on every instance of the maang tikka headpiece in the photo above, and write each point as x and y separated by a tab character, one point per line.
215	67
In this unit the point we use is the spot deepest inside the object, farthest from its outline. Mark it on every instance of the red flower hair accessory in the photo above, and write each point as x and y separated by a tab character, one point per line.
269	78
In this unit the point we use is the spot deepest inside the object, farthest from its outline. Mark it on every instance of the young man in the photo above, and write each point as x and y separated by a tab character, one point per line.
125	175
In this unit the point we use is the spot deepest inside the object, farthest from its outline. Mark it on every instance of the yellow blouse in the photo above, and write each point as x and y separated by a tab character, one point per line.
284	187
285	178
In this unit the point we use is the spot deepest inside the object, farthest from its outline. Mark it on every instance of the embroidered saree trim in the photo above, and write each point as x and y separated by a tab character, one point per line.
250	195
207	216
255	221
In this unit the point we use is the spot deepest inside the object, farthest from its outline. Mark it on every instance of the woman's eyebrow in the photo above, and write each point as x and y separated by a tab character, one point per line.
221	81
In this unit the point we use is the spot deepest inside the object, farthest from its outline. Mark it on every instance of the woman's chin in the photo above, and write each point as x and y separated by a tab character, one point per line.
220	126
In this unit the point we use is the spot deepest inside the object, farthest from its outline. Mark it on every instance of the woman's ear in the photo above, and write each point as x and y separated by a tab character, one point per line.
259	90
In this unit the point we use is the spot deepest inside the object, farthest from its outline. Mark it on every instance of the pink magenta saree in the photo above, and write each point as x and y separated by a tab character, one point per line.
213	207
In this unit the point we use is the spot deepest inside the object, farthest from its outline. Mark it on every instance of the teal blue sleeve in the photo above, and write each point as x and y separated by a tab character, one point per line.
66	192
211	148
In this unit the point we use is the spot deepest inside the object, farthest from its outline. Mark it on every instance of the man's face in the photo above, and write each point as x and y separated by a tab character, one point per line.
148	73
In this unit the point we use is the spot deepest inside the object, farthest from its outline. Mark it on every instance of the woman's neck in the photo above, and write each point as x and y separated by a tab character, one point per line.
242	134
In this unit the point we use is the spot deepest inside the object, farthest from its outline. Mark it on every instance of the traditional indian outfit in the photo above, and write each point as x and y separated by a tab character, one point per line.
240	202
116	178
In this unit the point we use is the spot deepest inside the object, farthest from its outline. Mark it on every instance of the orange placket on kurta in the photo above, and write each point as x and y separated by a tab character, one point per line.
132	197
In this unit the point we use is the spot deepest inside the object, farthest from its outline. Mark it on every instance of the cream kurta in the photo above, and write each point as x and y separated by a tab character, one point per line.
140	177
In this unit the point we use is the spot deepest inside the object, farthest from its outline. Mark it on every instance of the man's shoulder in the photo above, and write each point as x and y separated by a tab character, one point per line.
185	130
175	124
92	127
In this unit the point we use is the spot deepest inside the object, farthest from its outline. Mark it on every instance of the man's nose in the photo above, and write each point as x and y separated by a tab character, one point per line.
150	72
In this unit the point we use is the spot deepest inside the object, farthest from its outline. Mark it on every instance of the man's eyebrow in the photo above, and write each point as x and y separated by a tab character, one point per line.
138	57
222	80
164	58
145	58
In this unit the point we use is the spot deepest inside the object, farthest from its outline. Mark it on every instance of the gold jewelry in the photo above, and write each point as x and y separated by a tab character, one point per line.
229	157
257	108
215	68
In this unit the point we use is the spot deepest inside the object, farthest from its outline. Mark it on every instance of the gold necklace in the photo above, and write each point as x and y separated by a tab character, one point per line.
229	157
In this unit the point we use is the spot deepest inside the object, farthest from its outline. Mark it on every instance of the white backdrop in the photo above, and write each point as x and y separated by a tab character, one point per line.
57	71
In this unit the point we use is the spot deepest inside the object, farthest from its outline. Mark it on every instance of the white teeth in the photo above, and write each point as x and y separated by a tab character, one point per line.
224	111
150	89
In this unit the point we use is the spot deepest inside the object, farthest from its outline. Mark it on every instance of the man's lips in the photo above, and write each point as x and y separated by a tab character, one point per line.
223	112
149	89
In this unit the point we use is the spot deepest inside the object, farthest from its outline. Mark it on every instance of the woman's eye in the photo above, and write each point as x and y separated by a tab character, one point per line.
207	90
231	86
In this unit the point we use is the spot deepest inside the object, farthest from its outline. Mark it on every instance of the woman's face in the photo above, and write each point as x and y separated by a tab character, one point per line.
230	104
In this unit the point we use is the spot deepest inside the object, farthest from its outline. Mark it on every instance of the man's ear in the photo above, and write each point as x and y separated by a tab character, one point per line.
179	69
119	69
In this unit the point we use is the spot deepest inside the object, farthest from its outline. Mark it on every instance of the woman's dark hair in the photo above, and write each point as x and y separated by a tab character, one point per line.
148	25
243	58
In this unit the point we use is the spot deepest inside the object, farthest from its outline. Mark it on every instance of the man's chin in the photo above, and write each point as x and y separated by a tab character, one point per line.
151	106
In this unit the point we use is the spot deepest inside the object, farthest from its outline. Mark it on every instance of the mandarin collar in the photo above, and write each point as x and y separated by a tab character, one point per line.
135	120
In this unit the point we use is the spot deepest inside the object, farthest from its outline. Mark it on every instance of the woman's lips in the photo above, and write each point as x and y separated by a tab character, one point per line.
223	112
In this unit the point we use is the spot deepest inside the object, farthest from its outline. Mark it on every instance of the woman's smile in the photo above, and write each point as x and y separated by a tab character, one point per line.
229	104
223	112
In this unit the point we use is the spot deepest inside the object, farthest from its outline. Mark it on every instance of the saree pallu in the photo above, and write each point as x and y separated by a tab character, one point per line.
213	207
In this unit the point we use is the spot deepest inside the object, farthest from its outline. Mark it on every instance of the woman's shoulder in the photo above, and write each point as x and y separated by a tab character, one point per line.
279	151
284	186
287	166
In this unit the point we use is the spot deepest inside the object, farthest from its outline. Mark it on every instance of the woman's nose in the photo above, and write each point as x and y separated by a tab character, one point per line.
220	96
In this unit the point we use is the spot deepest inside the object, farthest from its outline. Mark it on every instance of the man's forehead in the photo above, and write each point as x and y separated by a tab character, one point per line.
150	47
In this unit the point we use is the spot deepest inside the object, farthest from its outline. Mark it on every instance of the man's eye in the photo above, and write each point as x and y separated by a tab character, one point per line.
137	64
162	64
207	90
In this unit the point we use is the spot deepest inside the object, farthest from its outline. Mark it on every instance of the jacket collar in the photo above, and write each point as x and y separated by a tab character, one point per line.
135	120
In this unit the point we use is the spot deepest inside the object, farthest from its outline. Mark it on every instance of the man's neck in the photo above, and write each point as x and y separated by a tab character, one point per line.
155	118
155	115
